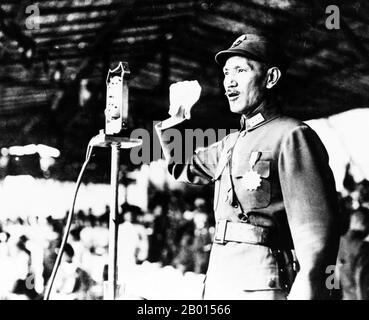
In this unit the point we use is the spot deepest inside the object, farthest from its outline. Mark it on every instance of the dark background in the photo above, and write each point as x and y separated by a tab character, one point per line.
41	69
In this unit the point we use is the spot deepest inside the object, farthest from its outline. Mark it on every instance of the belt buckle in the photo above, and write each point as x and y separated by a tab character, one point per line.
220	230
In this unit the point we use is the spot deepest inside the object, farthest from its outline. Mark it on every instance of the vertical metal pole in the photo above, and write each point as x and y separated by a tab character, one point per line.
113	226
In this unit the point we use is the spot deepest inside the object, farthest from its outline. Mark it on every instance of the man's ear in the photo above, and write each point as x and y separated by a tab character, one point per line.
273	75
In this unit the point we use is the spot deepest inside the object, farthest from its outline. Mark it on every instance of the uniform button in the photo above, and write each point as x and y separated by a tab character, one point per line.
272	283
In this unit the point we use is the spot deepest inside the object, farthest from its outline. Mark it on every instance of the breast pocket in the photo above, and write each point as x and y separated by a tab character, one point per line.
261	196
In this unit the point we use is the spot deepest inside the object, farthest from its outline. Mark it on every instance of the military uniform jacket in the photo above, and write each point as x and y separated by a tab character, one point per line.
296	197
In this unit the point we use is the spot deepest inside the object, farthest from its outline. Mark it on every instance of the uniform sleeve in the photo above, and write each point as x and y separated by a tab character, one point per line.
194	167
309	197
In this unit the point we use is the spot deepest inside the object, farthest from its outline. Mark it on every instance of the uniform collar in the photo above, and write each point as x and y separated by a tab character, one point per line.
264	113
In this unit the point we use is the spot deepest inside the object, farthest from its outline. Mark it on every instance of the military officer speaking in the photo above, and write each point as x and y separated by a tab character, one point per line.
275	198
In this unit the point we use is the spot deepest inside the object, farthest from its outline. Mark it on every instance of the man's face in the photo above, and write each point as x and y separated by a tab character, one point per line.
244	83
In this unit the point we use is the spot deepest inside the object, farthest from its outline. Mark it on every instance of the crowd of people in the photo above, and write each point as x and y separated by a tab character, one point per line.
167	234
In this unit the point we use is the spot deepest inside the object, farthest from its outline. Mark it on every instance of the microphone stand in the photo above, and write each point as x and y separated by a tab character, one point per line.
115	144
115	137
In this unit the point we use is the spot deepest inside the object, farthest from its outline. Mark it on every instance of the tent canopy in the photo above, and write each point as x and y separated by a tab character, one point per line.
54	57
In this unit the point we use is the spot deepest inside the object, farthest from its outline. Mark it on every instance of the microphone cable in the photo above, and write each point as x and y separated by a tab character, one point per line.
69	221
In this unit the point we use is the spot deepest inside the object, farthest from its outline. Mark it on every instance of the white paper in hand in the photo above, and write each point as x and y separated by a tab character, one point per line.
182	96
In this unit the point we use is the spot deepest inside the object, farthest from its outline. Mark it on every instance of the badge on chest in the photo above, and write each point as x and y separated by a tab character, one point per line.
252	179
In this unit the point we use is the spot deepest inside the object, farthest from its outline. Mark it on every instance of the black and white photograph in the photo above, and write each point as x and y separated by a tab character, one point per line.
190	150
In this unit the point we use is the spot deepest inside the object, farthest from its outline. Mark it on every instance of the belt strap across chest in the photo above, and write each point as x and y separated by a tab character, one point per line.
226	231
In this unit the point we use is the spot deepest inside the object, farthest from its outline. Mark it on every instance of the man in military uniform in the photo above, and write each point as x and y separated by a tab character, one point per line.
275	198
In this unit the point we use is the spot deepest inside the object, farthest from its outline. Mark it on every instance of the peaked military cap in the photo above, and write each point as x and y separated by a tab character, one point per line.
256	47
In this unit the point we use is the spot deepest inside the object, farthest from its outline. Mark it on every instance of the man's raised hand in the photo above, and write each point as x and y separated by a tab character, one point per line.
182	96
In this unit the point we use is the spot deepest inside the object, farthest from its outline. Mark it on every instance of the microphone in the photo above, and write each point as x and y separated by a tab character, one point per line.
116	110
